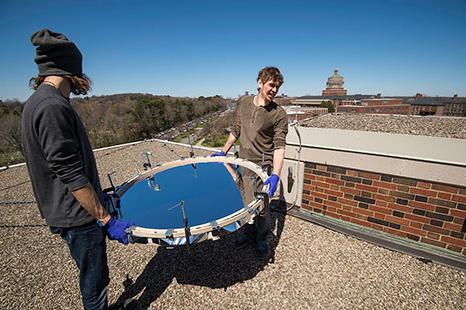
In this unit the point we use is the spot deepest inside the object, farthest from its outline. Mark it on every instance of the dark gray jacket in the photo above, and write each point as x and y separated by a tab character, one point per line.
59	157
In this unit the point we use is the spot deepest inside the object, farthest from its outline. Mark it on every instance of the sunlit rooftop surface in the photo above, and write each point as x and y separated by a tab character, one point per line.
311	267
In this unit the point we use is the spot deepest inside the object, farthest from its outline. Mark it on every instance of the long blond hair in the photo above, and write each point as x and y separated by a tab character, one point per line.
80	84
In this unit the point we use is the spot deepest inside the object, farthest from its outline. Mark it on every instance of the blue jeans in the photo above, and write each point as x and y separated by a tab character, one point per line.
259	230
89	251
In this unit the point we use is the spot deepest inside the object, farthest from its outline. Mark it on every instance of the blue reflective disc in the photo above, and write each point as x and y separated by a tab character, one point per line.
208	191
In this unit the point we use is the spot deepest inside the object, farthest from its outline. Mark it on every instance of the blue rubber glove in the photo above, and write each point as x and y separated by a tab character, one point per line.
221	153
116	230
272	181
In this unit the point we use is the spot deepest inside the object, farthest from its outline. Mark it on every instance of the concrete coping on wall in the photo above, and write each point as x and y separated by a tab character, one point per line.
426	158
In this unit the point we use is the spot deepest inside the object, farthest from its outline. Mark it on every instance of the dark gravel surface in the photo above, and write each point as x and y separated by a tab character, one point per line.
435	126
310	267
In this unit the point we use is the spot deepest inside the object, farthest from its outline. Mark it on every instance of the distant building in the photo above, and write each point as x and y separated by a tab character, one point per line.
455	107
381	101
298	113
377	106
334	86
308	102
350	102
421	105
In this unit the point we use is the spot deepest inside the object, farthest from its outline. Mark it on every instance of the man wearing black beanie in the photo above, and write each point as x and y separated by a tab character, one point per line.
62	166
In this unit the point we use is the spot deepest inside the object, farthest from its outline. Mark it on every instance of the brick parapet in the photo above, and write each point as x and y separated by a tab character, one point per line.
418	210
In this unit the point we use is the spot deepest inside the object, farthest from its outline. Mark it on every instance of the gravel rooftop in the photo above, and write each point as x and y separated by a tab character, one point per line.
435	126
310	268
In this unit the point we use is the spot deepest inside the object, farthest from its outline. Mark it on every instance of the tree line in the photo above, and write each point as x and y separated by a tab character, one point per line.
112	119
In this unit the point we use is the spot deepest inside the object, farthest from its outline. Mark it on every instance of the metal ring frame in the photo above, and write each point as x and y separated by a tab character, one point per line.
200	232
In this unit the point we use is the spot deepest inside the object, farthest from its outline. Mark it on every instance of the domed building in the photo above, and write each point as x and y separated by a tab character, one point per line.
334	85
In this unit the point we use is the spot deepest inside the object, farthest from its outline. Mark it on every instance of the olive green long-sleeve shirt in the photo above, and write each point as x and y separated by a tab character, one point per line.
261	130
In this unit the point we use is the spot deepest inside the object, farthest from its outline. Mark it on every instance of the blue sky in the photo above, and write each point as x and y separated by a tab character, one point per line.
194	48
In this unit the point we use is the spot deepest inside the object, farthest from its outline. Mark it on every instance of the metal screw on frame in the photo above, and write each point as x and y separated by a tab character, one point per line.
187	230
147	165
109	176
191	140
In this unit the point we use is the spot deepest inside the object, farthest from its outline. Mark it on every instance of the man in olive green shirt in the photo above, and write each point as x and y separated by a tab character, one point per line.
261	125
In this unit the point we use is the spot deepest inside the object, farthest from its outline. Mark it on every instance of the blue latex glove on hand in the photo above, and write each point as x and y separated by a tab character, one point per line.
221	153
116	230
272	181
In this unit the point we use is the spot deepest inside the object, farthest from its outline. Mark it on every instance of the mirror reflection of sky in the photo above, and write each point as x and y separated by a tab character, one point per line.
208	191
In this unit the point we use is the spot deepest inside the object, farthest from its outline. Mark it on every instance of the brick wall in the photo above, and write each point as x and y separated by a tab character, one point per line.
420	210
378	102
427	110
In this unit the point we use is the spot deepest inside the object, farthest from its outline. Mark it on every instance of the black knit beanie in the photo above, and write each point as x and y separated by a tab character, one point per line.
55	54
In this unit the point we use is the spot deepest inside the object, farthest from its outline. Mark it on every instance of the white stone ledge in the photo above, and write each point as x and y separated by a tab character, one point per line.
426	158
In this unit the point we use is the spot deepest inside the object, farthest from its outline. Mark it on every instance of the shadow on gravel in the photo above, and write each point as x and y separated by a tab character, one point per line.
214	264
